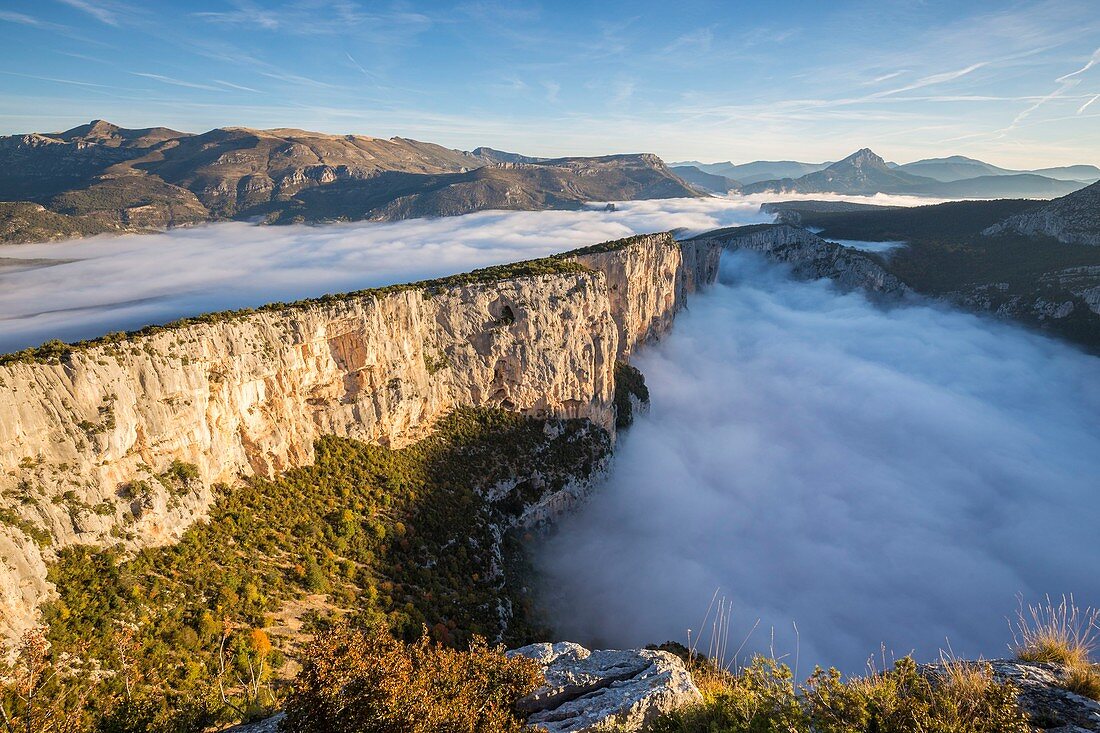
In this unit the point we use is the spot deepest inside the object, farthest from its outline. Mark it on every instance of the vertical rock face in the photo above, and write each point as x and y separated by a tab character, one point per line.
123	441
648	279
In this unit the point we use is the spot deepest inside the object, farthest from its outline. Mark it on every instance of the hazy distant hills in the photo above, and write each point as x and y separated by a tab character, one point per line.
864	172
99	178
758	170
958	167
710	182
789	175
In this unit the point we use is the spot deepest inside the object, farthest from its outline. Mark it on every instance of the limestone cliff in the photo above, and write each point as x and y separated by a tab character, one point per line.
123	441
649	278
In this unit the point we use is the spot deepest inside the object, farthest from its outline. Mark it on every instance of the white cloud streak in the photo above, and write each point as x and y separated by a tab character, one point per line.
99	12
178	82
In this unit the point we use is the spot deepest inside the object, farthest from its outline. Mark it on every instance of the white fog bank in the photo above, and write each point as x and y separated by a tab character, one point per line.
111	283
874	476
84	288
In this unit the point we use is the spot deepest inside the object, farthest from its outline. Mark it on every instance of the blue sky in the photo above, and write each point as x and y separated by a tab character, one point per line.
1016	84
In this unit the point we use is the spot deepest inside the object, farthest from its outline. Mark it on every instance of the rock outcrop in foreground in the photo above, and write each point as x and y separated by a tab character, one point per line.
603	690
123	441
1051	706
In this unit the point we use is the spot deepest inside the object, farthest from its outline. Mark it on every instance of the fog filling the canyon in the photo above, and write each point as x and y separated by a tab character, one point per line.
874	476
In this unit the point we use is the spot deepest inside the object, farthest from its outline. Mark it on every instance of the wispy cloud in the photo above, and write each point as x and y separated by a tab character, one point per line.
359	66
1088	65
298	79
57	80
100	12
179	82
231	85
1086	105
887	77
10	17
1065	83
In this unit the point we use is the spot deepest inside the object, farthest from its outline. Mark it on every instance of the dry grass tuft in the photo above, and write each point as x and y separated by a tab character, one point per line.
1057	633
1084	681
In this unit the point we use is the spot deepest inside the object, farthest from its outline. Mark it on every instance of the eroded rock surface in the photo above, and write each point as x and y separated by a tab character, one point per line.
1042	694
604	690
810	256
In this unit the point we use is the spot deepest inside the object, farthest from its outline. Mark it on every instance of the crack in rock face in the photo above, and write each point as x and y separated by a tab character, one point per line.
603	690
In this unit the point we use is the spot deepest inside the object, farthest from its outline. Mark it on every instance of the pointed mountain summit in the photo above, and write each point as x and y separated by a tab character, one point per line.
862	172
864	157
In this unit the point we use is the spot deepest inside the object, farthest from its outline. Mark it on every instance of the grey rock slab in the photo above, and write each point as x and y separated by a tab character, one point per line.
603	690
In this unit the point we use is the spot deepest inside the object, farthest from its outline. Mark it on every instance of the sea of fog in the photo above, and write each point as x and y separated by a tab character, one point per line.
84	288
850	478
874	476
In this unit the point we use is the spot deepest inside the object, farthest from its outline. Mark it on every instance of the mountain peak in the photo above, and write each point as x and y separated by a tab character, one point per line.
862	158
96	130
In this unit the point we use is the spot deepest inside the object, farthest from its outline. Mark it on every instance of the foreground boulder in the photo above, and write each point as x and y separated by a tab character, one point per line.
603	690
1042	695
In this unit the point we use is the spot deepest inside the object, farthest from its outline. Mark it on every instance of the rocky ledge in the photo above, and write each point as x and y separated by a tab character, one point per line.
1043	696
603	690
811	257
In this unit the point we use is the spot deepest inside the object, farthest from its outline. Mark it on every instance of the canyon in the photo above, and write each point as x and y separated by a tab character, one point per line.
122	441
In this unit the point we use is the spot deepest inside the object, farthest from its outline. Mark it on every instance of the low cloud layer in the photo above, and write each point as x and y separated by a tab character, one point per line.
111	283
874	476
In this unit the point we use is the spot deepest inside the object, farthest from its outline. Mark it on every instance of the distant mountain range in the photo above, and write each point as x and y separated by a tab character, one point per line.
103	178
100	177
958	167
710	182
970	177
864	172
756	171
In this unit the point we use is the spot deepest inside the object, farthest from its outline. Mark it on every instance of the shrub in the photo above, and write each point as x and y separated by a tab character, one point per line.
368	682
761	698
955	697
629	383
